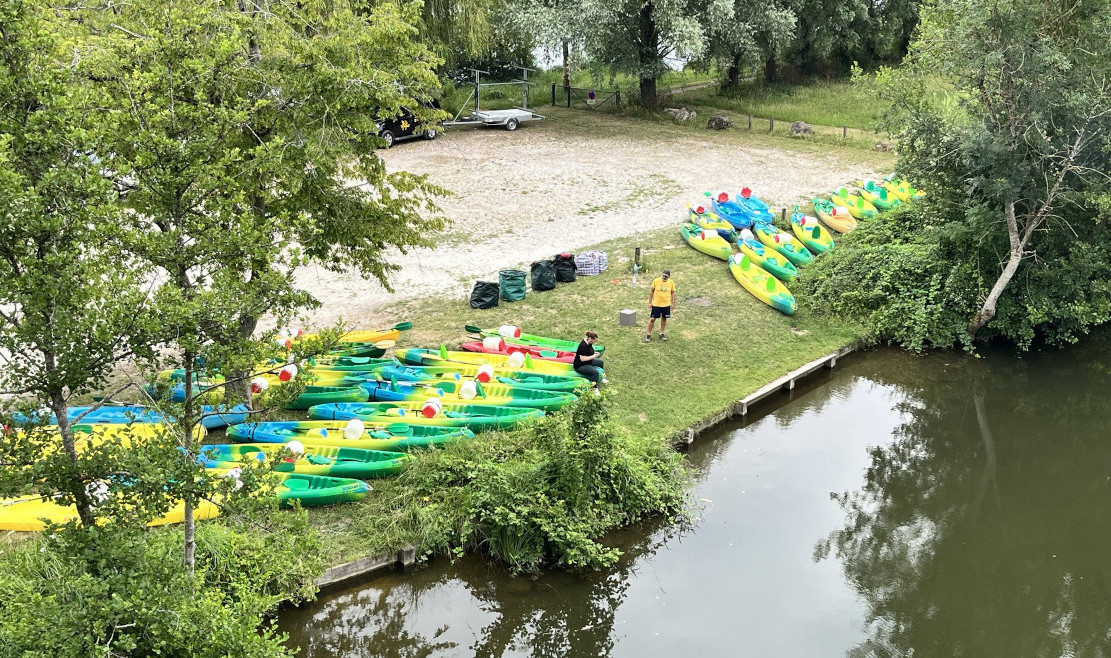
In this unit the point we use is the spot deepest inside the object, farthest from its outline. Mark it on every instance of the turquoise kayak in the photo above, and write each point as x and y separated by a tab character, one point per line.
388	436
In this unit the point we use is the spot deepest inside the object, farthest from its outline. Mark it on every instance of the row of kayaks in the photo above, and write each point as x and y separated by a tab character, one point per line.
740	229
846	205
351	437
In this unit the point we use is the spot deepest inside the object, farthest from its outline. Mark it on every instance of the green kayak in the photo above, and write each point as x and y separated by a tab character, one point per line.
318	490
474	416
389	436
311	490
313	459
314	395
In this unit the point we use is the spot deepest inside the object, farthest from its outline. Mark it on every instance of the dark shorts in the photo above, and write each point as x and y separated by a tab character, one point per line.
661	312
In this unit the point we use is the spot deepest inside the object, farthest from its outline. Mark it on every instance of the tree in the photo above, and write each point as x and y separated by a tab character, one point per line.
631	36
758	32
244	146
73	307
1028	142
1002	112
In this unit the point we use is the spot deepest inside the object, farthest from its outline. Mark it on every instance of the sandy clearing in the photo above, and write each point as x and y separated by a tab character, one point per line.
529	194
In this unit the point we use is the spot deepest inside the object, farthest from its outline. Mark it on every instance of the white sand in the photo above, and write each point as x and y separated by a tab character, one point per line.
552	193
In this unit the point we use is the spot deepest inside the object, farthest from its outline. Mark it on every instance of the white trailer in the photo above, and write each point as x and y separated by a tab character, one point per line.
509	119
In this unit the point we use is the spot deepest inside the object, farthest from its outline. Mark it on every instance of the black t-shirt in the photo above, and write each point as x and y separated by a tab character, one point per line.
585	349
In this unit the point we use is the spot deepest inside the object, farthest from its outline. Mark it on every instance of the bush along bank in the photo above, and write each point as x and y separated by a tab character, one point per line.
540	496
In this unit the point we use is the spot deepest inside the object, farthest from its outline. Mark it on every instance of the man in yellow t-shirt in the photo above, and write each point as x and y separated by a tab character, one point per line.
661	300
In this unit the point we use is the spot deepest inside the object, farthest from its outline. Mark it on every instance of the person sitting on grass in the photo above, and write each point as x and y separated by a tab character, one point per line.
587	362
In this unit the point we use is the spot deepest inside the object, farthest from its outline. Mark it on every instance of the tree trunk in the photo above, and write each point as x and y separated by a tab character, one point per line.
566	66
189	522
987	310
648	96
58	406
769	70
648	56
734	73
238	386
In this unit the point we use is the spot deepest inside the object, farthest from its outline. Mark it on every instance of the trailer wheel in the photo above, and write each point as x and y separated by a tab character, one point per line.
512	124
430	133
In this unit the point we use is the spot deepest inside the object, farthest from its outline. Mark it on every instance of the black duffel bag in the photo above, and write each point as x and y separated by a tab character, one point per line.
543	275
512	284
565	268
485	294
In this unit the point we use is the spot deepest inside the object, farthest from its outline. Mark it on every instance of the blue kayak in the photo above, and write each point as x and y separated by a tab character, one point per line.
754	208
728	210
213	417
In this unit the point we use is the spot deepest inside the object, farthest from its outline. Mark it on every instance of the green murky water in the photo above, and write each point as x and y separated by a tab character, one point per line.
900	505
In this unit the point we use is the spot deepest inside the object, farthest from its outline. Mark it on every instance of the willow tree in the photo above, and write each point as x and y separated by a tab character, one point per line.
638	37
244	145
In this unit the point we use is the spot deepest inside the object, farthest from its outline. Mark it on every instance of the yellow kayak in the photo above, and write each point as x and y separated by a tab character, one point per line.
762	285
878	196
366	335
836	218
902	190
25	514
706	241
93	432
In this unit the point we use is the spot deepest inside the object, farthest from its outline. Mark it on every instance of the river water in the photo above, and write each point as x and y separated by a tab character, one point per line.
900	505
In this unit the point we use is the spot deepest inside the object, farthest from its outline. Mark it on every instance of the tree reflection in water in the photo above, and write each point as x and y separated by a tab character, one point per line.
491	613
983	529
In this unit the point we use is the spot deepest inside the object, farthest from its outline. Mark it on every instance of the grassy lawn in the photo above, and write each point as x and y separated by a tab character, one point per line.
723	344
832	103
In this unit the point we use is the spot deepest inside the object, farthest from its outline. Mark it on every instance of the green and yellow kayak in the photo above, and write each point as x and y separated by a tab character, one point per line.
308	459
856	206
902	190
708	220
387	436
767	259
810	233
474	416
459	371
467	392
706	241
512	335
878	196
762	285
26	513
314	395
785	243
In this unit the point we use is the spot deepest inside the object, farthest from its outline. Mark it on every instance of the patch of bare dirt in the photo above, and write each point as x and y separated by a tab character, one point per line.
526	195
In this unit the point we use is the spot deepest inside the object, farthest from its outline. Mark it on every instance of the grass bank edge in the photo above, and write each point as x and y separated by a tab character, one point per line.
738	344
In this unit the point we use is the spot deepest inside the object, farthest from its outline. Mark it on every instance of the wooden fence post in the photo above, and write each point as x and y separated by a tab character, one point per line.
771	127
844	132
553	94
750	122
